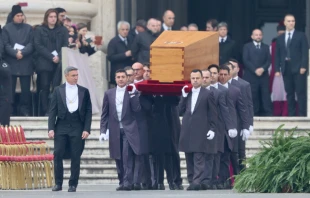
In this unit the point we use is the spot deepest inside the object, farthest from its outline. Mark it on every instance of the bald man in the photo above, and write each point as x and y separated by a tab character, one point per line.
140	48
168	19
257	59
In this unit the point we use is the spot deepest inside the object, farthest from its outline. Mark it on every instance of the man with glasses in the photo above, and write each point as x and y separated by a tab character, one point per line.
130	74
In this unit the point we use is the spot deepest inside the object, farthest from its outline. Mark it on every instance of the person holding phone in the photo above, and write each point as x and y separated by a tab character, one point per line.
49	38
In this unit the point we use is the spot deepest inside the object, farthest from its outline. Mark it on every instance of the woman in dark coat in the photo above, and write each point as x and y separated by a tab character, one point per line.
86	47
49	38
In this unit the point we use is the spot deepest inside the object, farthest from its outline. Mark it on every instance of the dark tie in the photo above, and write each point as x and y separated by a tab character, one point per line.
222	40
257	46
288	43
125	41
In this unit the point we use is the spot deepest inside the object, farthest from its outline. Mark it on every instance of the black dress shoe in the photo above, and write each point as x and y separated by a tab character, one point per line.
220	186
126	188
57	188
137	187
179	187
227	185
193	187
147	187
72	189
205	187
155	187
172	186
119	188
161	187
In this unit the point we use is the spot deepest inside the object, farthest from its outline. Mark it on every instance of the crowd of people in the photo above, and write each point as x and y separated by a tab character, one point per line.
33	54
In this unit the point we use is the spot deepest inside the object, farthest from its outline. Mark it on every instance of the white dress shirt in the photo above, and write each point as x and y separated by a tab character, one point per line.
215	85
208	87
256	43
166	27
286	35
137	81
195	93
230	80
72	97
225	85
236	78
224	39
119	100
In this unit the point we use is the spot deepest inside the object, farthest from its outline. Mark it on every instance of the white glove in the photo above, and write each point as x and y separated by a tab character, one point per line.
104	136
251	129
134	89
232	133
184	94
210	135
245	134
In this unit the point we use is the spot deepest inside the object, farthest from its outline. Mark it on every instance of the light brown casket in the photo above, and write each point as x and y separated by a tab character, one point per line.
174	54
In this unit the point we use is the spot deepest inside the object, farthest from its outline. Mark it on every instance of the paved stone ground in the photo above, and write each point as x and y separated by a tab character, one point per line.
108	191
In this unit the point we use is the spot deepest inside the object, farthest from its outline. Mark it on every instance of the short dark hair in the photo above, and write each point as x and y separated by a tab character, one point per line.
60	10
214	66
233	60
197	70
128	68
213	23
228	63
120	71
146	64
224	67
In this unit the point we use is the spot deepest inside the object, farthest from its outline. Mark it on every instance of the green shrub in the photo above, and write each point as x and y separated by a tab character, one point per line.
282	165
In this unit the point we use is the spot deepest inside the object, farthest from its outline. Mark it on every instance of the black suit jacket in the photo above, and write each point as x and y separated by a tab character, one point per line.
195	126
228	50
58	107
299	53
116	55
253	59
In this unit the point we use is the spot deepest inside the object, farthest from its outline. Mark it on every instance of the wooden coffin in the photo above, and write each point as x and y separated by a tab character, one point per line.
174	54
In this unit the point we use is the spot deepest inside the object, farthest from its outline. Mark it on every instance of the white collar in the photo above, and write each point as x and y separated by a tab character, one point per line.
292	32
166	27
120	88
236	78
122	38
215	85
136	31
208	87
68	85
256	43
194	90
220	38
136	81
225	85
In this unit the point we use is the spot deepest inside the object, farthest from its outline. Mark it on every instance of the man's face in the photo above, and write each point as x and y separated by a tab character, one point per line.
223	31
52	18
67	24
18	18
131	76
192	28
223	76
138	71
234	72
169	18
62	16
214	75
123	30
210	28
206	78
147	73
289	22
257	36
158	26
184	28
72	77
140	29
152	25
121	79
196	79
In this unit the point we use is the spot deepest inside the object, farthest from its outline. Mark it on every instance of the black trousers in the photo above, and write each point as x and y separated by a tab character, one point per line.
208	171
125	166
173	167
195	164
295	83
44	85
261	96
5	112
142	170
76	147
25	96
158	165
216	167
241	152
225	158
